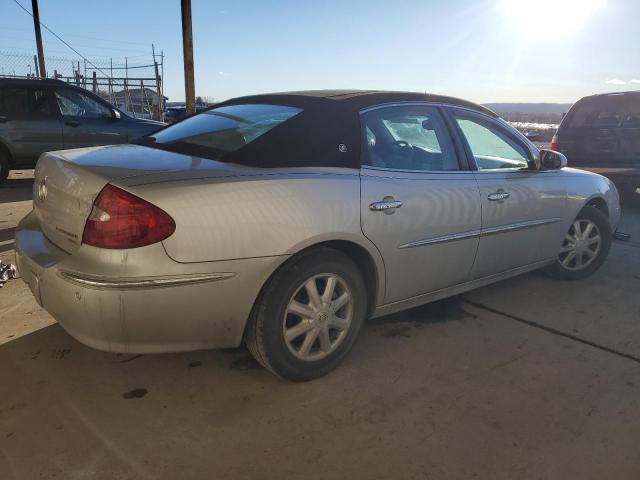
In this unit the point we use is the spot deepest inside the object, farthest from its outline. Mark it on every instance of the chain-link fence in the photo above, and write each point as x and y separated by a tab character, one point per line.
135	88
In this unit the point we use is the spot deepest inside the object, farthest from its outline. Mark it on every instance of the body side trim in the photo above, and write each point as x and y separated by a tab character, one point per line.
136	283
480	233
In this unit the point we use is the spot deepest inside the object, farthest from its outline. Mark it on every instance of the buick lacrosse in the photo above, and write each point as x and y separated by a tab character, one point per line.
285	220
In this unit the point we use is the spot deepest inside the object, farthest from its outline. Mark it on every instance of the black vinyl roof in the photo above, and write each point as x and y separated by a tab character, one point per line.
327	131
353	99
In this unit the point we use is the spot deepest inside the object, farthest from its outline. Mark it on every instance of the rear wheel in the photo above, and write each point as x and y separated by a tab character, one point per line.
585	246
5	166
309	316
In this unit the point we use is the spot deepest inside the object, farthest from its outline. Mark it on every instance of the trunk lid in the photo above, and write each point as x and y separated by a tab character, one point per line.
67	182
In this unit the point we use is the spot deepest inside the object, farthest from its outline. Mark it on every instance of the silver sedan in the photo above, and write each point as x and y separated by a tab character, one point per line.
286	220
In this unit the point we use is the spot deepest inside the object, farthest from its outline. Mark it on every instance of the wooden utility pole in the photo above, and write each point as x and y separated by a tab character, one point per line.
36	26
187	53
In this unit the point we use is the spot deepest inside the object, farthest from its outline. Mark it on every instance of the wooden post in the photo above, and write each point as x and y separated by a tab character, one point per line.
36	26
187	52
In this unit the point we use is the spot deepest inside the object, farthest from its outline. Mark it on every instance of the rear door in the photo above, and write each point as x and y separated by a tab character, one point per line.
28	122
420	205
86	121
522	209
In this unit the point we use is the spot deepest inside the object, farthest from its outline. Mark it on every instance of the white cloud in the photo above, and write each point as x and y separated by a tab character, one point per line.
224	74
635	80
615	81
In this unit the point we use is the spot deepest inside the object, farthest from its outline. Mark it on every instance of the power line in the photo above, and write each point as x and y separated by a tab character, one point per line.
59	38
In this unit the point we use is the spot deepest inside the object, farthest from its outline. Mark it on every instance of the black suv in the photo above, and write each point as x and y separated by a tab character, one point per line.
37	116
602	133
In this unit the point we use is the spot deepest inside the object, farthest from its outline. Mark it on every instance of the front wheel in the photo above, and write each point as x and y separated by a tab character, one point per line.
309	315
585	246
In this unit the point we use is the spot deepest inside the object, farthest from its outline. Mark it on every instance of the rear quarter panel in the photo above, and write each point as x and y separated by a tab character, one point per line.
259	216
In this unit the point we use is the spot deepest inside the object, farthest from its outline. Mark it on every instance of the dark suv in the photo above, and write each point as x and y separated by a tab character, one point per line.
42	115
602	133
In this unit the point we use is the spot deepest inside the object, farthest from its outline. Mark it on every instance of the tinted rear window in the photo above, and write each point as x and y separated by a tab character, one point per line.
224	129
16	100
605	112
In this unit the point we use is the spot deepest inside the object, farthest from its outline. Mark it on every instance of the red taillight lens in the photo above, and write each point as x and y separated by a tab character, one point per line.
122	220
554	145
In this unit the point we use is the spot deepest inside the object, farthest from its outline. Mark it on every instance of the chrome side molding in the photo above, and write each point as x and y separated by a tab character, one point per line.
480	233
151	282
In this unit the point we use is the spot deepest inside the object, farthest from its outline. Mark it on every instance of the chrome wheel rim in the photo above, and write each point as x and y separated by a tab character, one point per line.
581	245
318	317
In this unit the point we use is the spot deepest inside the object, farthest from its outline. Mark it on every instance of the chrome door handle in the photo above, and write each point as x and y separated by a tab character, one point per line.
385	205
497	196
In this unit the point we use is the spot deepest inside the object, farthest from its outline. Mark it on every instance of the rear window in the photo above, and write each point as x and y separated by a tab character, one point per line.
605	112
223	130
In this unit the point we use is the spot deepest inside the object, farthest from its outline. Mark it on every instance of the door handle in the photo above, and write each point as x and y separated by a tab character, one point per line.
388	203
3	119
72	123
497	196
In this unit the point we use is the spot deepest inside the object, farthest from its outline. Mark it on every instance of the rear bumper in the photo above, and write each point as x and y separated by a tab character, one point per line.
190	307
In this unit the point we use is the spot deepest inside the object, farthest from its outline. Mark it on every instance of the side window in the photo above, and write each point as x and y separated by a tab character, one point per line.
24	101
631	117
408	138
491	147
76	104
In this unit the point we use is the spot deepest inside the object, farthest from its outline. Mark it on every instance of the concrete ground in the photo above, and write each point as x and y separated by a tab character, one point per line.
529	378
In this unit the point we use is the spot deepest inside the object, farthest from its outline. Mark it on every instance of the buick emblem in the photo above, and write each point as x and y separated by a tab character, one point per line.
42	190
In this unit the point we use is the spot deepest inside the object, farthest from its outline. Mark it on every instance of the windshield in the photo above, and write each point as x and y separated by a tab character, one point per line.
222	130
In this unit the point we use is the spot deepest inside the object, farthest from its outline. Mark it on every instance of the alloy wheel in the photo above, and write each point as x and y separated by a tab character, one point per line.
318	317
581	245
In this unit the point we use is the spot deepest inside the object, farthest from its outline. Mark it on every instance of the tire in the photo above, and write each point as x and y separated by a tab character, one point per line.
5	166
567	267
286	303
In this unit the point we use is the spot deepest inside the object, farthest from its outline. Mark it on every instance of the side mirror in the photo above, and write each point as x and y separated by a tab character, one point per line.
552	160
115	114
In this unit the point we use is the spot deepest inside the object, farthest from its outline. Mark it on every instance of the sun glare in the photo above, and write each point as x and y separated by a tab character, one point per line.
549	17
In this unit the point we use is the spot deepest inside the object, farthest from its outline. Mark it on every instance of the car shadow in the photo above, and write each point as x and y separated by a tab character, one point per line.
16	190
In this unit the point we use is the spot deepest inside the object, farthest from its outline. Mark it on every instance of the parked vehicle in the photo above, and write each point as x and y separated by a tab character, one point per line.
173	114
286	220
43	115
602	132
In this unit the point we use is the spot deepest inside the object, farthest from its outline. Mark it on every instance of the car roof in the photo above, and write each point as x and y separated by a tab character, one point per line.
354	99
30	81
612	94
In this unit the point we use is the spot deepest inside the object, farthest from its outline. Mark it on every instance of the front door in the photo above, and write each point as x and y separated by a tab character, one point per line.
420	206
522	208
86	121
29	122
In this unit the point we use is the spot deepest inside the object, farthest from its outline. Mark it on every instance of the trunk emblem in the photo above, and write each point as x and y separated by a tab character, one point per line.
42	190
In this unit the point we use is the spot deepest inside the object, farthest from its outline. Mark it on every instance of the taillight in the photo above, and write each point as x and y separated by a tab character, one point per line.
122	220
554	145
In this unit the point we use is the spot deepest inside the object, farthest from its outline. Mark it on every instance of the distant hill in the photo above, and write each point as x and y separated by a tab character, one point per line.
530	112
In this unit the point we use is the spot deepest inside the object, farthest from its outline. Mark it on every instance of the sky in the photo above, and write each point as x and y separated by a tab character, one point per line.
482	50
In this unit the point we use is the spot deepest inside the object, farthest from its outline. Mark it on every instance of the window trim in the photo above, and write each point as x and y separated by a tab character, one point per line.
501	126
461	156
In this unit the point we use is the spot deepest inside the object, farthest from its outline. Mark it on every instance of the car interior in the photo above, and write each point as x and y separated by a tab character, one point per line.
409	141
